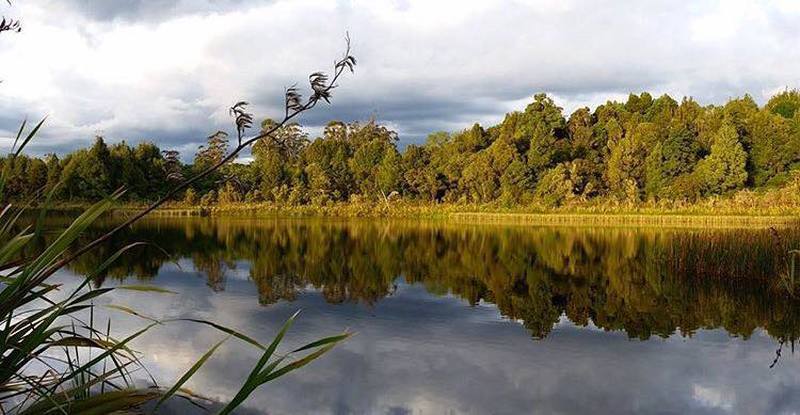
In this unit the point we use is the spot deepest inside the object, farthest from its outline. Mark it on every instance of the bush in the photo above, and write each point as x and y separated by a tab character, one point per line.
190	197
229	194
208	199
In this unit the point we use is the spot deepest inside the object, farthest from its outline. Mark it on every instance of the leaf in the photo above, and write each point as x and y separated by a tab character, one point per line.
189	373
91	294
97	359
323	342
145	288
113	401
30	136
19	132
80	341
224	329
130	311
251	383
297	364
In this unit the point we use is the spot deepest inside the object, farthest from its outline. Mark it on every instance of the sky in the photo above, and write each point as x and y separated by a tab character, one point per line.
167	70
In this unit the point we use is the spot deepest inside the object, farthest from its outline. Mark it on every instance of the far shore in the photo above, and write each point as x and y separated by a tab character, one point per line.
691	216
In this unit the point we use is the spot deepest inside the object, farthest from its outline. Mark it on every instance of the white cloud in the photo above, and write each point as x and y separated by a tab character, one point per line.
133	70
714	397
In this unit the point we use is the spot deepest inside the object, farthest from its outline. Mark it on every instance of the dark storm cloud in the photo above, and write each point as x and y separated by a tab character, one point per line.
10	121
415	116
151	10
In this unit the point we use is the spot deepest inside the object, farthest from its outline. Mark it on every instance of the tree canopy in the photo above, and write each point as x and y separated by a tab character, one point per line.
644	149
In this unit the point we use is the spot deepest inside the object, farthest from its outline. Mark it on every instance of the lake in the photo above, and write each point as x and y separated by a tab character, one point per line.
456	318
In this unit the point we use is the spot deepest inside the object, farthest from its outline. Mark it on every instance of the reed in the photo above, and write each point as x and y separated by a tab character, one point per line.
54	358
54	355
462	213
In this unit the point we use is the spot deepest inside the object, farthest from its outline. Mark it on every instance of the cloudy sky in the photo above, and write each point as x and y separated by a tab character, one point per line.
166	70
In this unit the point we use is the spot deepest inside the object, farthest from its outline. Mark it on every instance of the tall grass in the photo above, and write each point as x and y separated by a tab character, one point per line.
487	213
54	357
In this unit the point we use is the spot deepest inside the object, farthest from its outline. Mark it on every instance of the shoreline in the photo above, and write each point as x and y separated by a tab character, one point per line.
482	215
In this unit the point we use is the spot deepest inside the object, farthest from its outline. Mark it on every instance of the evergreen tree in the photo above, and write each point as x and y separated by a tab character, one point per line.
785	103
53	174
95	172
724	169
213	152
388	174
770	149
655	177
544	126
625	170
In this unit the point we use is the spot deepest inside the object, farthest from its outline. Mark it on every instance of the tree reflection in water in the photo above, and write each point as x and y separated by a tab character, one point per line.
647	282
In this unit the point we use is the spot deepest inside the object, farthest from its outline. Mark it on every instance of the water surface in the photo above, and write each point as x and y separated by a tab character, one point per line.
454	318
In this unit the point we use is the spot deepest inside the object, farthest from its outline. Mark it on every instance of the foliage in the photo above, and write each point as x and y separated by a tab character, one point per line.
640	151
724	169
785	103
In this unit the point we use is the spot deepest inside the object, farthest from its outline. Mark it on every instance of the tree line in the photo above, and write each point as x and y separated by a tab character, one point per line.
644	149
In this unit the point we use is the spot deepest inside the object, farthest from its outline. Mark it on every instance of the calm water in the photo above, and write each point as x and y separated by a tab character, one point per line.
455	318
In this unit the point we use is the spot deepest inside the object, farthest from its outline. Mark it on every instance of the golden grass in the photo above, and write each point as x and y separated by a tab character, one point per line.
483	214
743	209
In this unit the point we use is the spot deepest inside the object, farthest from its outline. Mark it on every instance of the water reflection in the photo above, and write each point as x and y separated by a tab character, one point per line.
445	315
645	282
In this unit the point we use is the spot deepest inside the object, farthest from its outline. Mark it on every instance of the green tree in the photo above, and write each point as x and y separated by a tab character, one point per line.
515	182
388	174
88	173
770	146
626	165
655	177
639	104
127	173
785	103
472	140
209	154
680	151
277	157
326	169
555	187
545	127
724	169
149	160
372	143
53	174
480	182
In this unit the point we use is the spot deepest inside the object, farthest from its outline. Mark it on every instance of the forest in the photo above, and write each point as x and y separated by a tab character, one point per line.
644	150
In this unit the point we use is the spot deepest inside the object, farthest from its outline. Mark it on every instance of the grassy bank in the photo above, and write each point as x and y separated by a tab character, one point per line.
710	213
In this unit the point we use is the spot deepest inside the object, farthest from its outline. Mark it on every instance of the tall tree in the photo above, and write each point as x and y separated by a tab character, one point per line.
785	103
724	169
770	146
209	154
545	127
626	165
